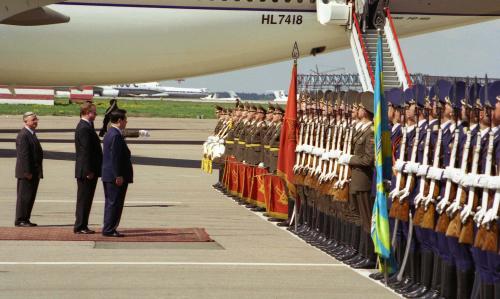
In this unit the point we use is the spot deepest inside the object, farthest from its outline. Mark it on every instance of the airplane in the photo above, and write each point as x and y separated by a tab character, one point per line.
97	42
149	89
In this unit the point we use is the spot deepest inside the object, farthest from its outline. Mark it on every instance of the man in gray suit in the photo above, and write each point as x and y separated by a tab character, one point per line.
28	169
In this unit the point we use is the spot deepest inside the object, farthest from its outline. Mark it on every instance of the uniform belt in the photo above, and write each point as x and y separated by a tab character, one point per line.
274	149
252	144
229	142
267	146
241	142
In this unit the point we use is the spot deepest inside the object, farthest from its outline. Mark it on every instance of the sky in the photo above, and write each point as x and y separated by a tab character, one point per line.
472	50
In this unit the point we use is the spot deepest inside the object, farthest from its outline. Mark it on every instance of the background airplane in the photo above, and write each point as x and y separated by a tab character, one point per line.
149	89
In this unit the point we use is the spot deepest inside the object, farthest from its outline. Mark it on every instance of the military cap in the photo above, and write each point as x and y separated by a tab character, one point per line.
246	106
260	108
270	108
481	101
457	94
474	89
218	108
420	93
351	97
230	110
409	97
252	108
494	92
279	110
442	91
366	101
394	97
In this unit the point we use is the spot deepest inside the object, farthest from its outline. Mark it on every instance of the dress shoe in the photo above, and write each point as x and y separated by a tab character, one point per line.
356	259
284	223
114	234
85	231
25	224
364	264
376	276
419	292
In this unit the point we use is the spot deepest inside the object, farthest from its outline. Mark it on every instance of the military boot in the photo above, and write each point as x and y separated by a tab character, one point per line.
426	276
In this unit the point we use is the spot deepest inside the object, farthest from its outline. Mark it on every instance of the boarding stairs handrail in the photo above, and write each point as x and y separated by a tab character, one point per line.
396	52
361	56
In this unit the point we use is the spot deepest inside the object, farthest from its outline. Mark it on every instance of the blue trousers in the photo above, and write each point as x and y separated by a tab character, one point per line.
113	206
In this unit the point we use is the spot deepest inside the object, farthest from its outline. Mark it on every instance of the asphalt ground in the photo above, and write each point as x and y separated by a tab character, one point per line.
250	258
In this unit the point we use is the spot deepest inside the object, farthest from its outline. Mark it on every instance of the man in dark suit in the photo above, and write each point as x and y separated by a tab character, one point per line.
87	167
117	172
28	169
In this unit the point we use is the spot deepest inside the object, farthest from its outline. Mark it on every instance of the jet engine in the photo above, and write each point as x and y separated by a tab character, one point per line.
333	12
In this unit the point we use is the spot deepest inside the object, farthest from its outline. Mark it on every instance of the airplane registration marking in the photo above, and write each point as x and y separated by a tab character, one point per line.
270	19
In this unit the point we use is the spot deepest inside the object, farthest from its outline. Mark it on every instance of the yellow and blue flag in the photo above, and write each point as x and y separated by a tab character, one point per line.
383	164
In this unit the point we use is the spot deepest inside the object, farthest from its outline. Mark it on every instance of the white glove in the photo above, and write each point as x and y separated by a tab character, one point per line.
261	165
481	181
453	208
336	154
494	182
458	174
412	167
489	216
422	170
400	165
344	159
144	133
435	173
318	151
325	156
468	179
466	211
299	148
448	173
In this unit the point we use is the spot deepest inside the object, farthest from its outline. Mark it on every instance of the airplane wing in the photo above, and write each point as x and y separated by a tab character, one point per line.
30	13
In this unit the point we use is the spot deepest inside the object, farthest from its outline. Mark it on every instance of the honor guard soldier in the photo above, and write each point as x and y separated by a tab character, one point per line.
254	136
361	163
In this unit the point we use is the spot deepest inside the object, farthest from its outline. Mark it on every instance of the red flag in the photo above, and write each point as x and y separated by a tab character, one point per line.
288	139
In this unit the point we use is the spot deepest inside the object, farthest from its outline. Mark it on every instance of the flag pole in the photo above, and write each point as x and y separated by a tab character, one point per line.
295	216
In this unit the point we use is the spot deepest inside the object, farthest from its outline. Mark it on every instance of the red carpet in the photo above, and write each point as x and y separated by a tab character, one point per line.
58	233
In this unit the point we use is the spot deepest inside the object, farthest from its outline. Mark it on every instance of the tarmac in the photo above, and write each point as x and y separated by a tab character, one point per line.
250	258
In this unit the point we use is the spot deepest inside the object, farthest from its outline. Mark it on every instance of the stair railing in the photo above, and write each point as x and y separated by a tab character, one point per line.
396	53
361	57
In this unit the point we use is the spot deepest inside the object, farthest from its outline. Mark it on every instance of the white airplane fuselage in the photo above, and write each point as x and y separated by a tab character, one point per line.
119	41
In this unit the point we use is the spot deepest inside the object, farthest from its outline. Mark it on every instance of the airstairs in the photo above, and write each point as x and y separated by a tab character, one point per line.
364	44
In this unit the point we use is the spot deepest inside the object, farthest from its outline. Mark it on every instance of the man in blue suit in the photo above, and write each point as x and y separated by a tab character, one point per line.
117	172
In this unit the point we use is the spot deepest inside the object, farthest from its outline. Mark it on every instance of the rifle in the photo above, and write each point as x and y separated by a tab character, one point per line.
324	139
455	225
400	181
323	167
331	146
300	142
341	127
422	171
428	220
404	205
318	136
489	227
466	235
450	188
309	137
481	213
342	185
